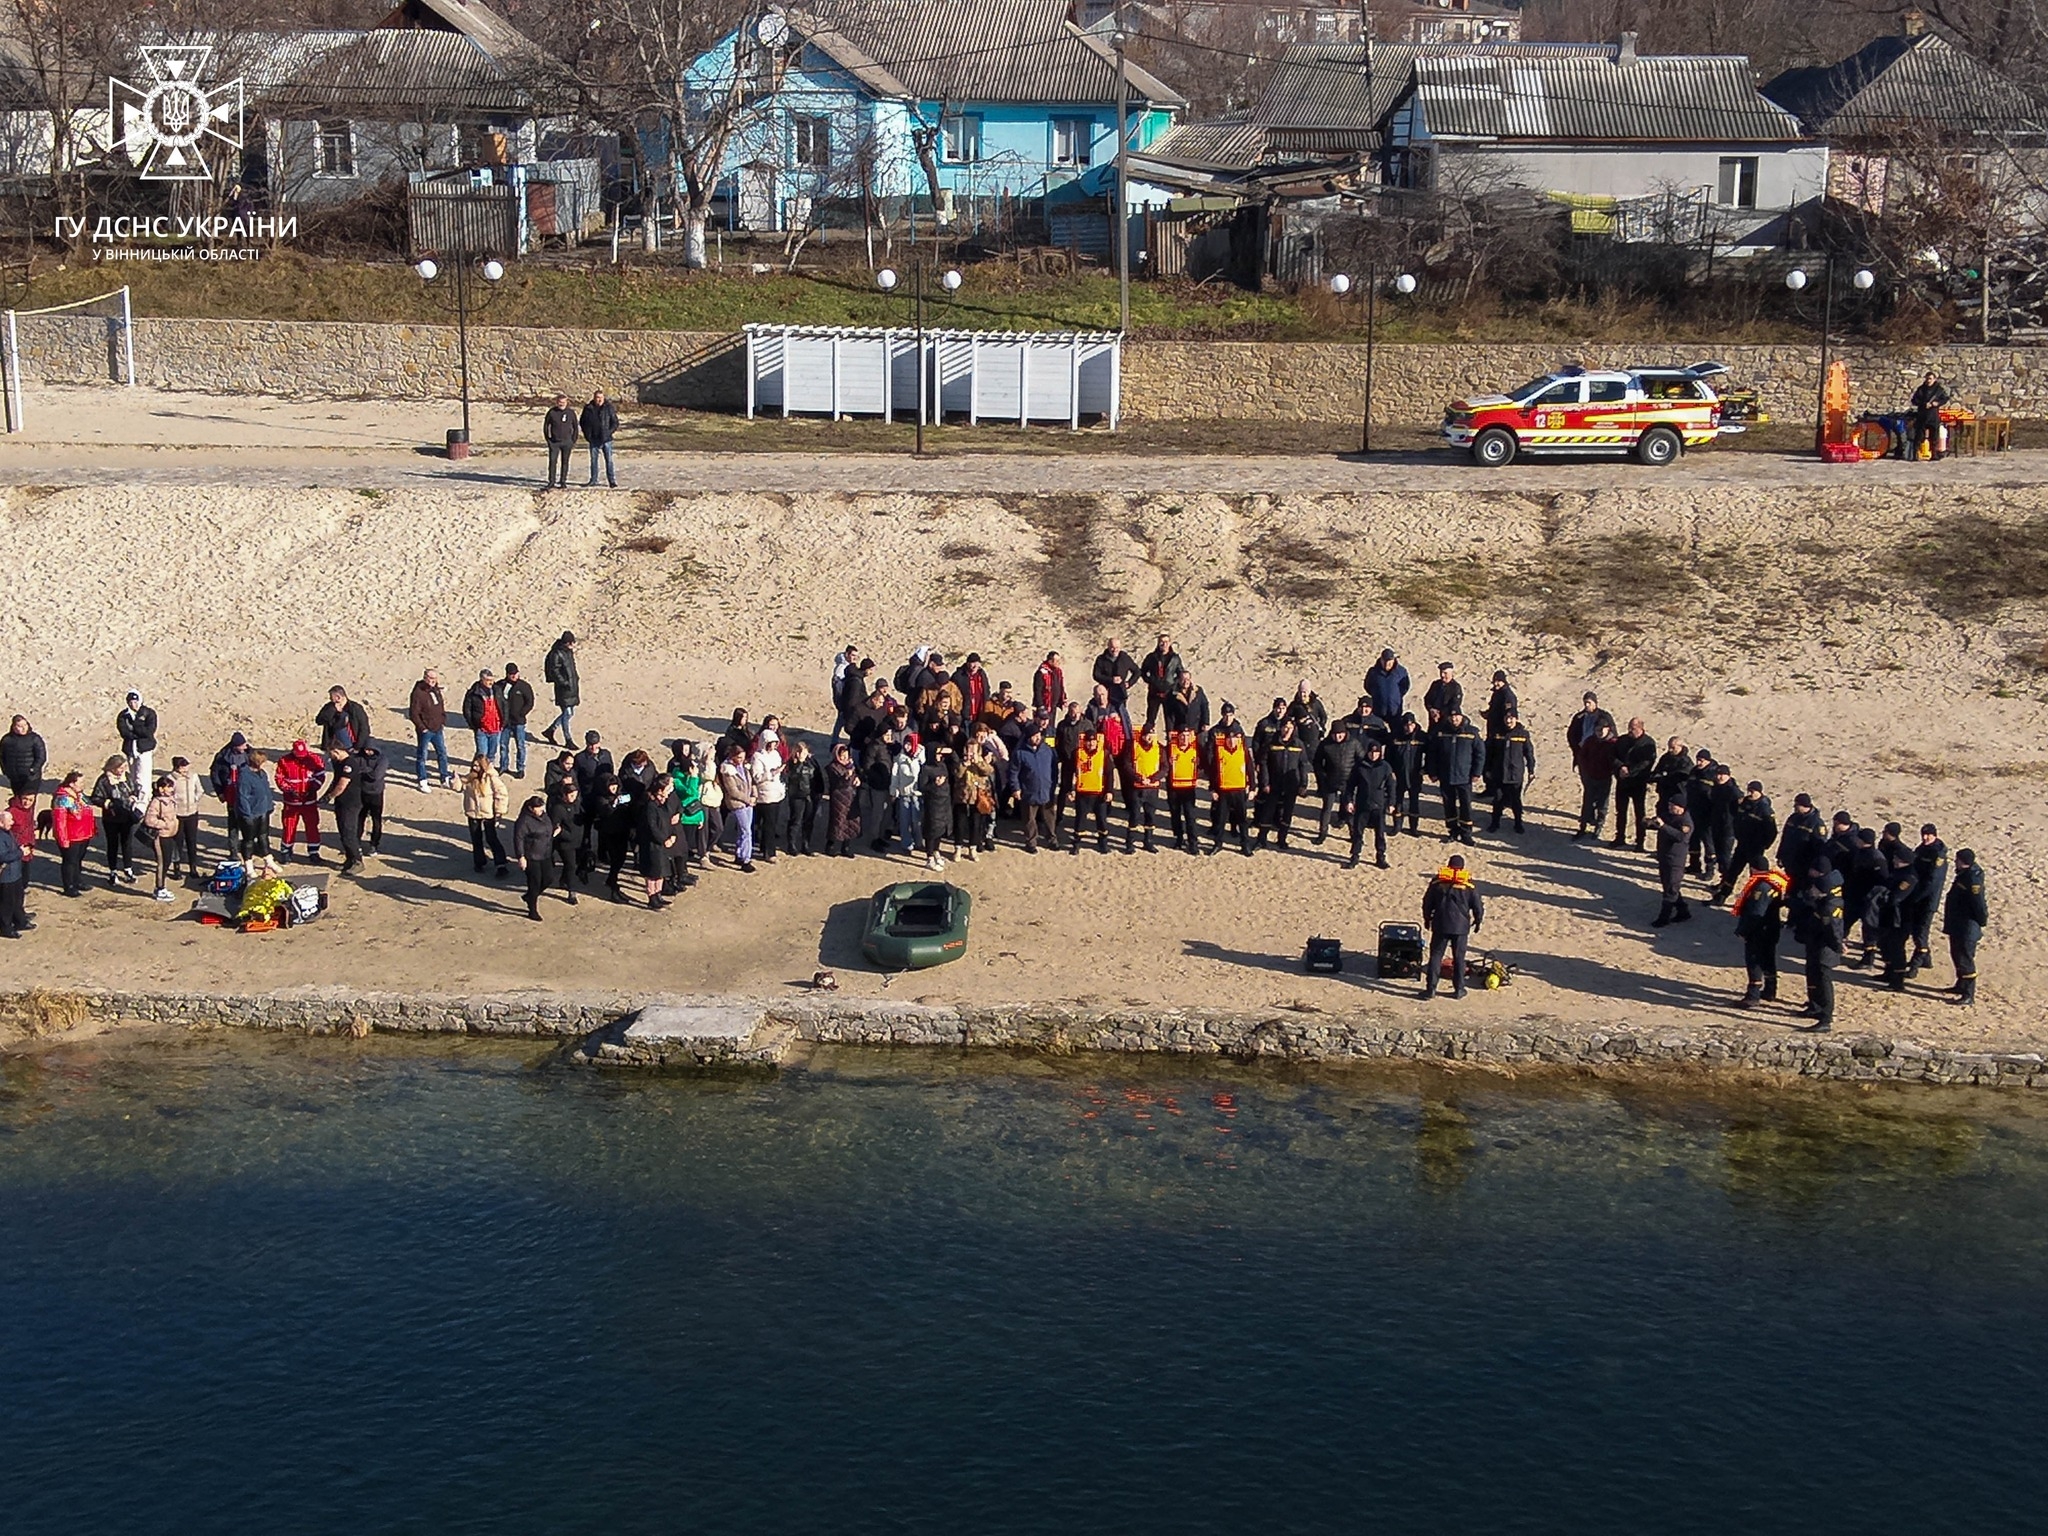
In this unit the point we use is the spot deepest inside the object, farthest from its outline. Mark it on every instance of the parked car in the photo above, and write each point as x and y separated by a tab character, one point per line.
1653	413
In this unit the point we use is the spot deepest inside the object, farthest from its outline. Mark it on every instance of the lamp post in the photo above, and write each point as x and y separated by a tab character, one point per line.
949	280
1404	284
1796	281
1119	40
491	270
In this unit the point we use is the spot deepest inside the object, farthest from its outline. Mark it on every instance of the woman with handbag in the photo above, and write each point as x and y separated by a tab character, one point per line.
113	794
974	799
160	821
485	800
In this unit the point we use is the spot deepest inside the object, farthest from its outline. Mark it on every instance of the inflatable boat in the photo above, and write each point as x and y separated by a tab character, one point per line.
915	925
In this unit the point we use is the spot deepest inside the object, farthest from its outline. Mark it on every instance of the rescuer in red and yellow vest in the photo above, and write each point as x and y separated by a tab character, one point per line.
1091	787
1144	770
1759	922
1230	777
1183	781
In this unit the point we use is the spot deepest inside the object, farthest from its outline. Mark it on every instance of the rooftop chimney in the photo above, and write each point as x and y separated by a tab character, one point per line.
1625	48
1913	22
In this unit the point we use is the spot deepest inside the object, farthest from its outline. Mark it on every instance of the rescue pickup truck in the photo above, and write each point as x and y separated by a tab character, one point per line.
1653	413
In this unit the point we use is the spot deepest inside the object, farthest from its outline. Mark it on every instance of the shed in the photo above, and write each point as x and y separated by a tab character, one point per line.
1016	376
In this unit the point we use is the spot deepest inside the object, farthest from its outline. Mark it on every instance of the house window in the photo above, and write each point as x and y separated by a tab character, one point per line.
1738	181
811	141
1072	138
962	134
334	149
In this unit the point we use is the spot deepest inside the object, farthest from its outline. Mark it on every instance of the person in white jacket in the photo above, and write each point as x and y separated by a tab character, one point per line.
771	794
903	793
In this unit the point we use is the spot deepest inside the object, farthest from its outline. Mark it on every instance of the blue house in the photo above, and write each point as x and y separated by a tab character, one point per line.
935	100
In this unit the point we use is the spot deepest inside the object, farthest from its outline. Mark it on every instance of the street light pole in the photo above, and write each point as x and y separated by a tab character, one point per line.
1796	280
1341	285
1123	179
491	270
923	384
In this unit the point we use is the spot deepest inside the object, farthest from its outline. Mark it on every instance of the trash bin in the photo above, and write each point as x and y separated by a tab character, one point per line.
458	443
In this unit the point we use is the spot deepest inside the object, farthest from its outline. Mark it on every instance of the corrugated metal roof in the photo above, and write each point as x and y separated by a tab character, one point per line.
1661	98
971	51
1328	86
1231	143
397	74
1896	82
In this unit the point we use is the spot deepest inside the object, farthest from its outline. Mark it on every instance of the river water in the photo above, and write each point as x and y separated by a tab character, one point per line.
281	1285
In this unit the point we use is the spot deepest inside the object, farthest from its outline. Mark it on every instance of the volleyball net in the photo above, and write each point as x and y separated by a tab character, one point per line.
114	339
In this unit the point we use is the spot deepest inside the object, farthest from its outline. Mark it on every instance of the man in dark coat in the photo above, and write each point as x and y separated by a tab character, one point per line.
559	670
1635	765
1724	799
342	721
593	767
1587	724
1334	759
1407	755
1445	696
599	424
1893	901
515	708
1594	758
1803	836
1513	768
1859	889
1457	760
1928	400
1930	863
1674	837
1115	670
1963	917
558	431
1187	707
1283	771
1754	828
1452	912
1161	670
1387	685
1038	789
1369	799
1500	704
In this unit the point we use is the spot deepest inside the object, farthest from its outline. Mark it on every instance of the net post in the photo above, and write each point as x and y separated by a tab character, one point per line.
127	337
12	362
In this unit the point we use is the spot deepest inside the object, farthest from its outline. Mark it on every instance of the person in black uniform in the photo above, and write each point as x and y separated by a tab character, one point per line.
1514	766
1893	900
371	767
1699	805
345	794
1930	863
618	822
1756	828
1724	797
1963	917
1635	769
1859	892
1406	746
1928	400
1282	773
1501	705
1370	797
1674	835
1334	759
1452	912
1802	836
1842	843
1458	757
565	817
1819	929
1760	923
1445	696
1671	773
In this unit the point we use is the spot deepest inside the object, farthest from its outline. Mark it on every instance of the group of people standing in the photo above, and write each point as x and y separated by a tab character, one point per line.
930	755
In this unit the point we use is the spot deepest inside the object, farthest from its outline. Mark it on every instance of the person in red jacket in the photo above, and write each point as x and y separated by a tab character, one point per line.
300	774
73	826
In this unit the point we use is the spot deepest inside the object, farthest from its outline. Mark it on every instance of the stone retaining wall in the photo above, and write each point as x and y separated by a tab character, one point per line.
601	1024
1163	381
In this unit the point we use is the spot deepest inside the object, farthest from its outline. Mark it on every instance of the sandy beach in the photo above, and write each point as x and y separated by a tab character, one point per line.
1776	623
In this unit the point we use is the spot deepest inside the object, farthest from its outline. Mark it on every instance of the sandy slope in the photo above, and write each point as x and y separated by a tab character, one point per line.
1774	626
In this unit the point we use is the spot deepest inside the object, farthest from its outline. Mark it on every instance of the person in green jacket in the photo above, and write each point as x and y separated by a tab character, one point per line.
687	774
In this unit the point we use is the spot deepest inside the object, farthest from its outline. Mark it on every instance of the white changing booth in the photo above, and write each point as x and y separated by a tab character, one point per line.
1010	376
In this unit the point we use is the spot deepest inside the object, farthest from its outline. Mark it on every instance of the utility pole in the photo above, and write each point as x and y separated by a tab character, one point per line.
1120	41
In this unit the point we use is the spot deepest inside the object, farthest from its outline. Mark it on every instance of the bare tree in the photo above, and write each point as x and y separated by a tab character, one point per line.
638	71
68	49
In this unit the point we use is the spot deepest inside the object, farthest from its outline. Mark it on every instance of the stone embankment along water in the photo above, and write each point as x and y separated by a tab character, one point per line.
615	1032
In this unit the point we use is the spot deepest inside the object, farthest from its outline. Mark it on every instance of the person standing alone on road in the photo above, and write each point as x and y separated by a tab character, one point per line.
599	424
559	432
